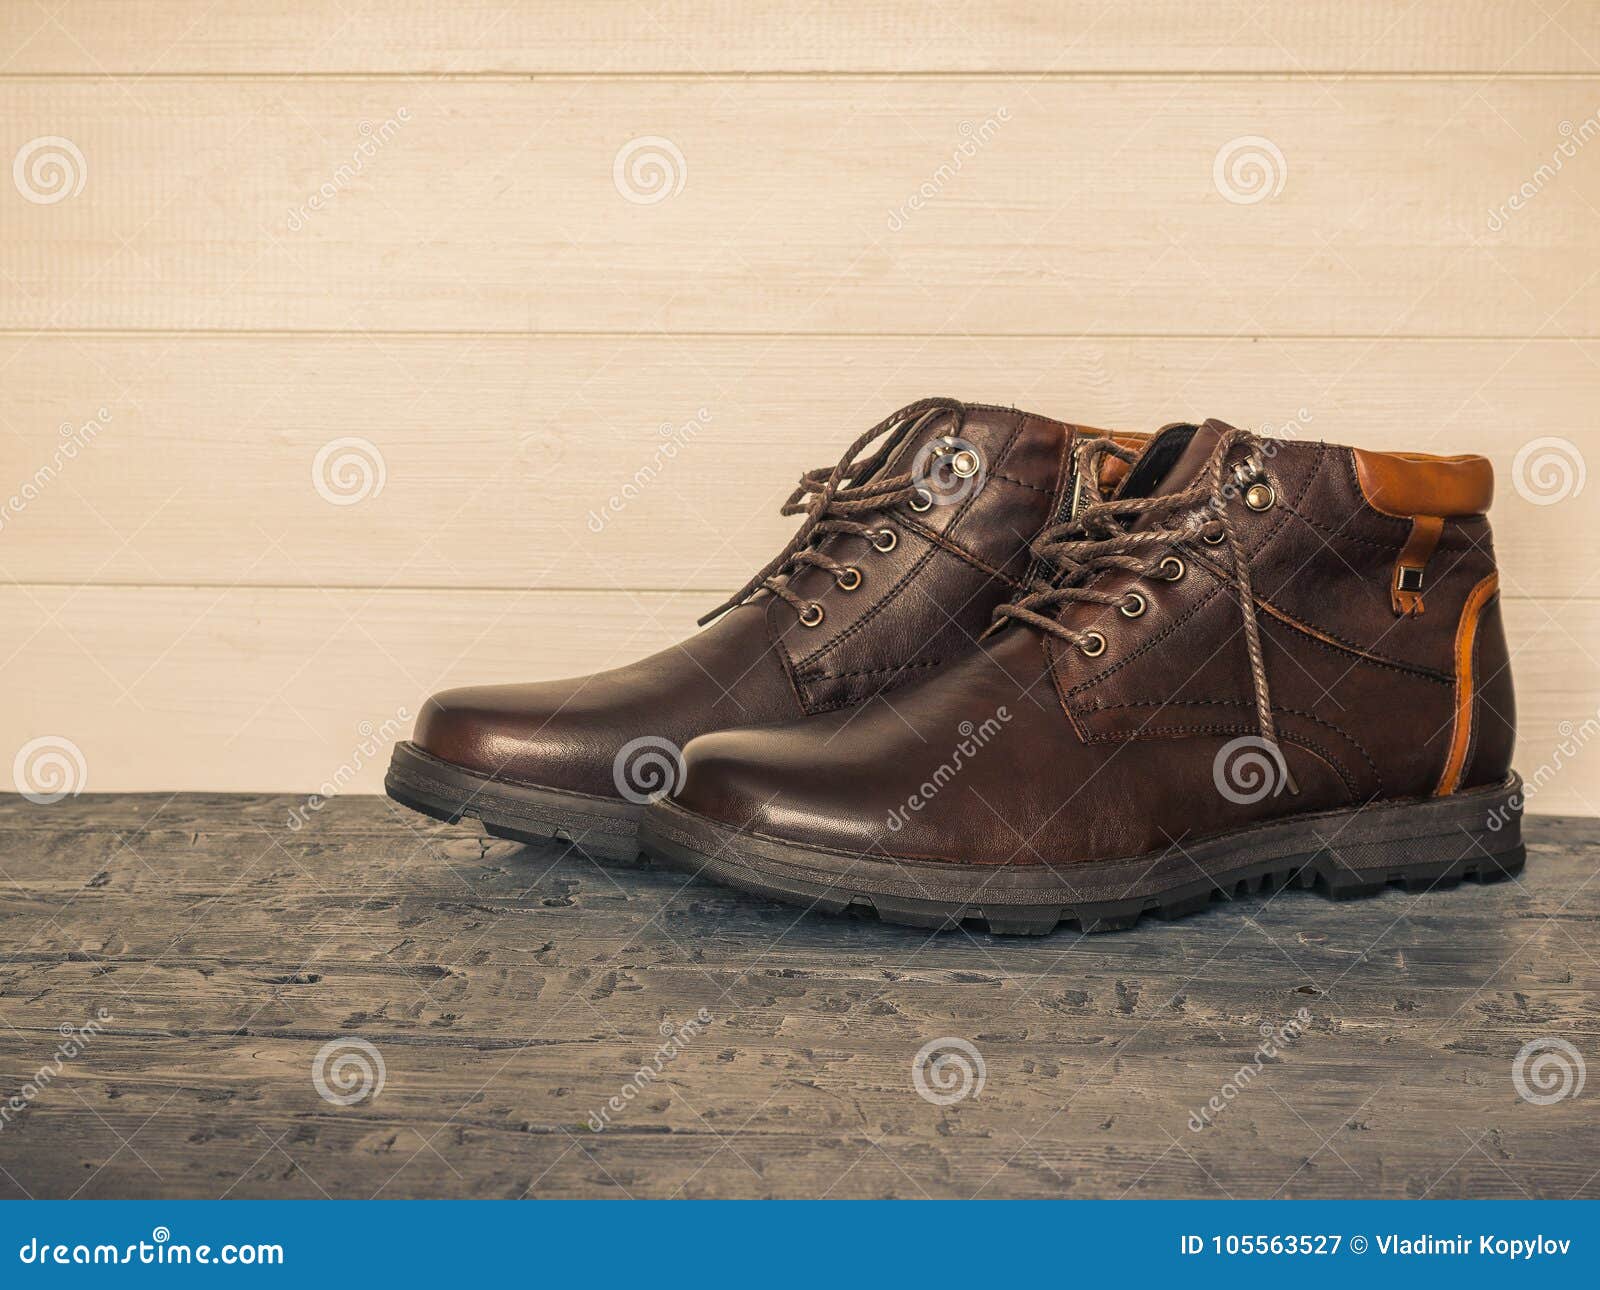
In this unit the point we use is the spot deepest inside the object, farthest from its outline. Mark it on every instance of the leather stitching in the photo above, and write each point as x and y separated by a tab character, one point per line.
1267	538
1020	483
871	671
1394	522
861	623
957	550
855	701
1065	460
1339	646
1390	548
1344	734
1239	728
775	645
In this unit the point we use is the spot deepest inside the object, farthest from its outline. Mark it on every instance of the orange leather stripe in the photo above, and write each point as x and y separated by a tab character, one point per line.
1466	635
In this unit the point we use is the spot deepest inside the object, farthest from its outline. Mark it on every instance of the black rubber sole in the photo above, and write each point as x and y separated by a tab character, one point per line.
1422	844
606	828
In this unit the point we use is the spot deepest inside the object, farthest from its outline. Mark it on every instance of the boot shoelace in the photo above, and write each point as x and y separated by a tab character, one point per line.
828	496
1099	538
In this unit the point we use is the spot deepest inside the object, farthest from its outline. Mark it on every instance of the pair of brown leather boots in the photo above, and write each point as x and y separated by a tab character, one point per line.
1023	672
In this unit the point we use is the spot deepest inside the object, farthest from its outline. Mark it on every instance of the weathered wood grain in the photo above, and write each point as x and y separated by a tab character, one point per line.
661	461
161	37
854	204
511	991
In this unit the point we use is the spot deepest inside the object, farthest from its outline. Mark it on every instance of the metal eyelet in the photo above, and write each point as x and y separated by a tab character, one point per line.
964	459
885	540
849	580
1134	605
1171	568
921	495
1211	539
811	615
1260	496
965	464
1097	649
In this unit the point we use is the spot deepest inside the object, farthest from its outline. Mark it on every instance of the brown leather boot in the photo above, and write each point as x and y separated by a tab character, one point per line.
1261	662
898	566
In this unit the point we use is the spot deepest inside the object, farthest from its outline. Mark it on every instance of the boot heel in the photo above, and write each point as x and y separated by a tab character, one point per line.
1474	835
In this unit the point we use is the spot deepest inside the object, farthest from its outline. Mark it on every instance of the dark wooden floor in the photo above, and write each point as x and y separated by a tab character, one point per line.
511	992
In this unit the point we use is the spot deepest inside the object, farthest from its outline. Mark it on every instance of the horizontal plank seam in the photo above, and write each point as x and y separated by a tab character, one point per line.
317	333
1039	74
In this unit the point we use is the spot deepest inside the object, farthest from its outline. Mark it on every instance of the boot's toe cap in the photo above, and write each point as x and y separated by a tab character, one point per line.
774	782
526	734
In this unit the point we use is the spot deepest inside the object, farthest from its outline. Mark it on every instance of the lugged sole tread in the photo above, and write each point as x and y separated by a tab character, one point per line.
1369	861
1113	916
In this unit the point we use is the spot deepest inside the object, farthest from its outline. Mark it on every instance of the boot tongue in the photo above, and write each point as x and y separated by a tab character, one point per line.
1173	459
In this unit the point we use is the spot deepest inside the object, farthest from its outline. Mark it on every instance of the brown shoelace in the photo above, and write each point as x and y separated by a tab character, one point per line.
829	496
1099	538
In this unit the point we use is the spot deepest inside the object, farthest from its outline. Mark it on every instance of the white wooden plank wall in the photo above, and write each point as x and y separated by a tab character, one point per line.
232	234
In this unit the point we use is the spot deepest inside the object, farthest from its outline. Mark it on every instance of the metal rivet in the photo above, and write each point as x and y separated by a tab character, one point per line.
923	496
811	615
885	540
1094	649
849	580
964	465
1258	497
1171	568
1133	606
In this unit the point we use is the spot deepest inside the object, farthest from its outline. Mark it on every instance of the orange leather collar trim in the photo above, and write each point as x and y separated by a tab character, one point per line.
1412	483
